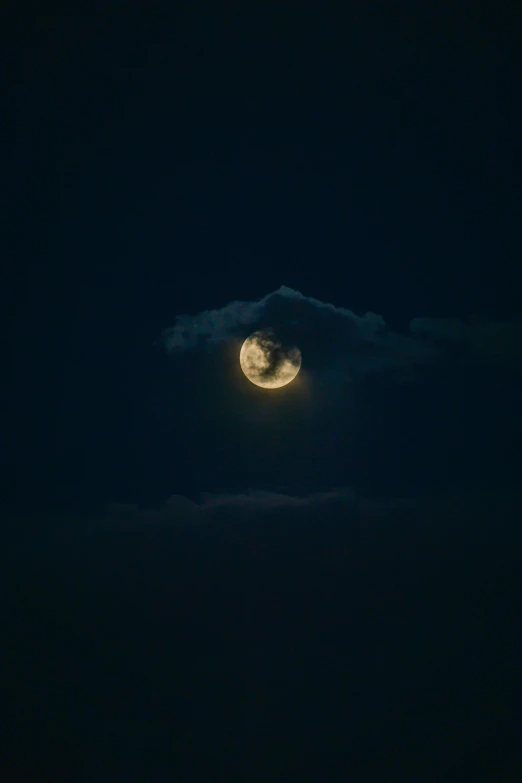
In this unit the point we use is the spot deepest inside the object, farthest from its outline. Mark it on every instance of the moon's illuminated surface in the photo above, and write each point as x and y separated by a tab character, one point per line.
267	362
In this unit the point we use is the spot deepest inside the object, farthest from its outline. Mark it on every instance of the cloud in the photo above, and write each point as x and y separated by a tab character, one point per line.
220	510
229	634
490	342
347	341
285	306
180	511
320	329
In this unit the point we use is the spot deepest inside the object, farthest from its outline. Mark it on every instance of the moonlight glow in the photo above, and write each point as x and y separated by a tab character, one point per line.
268	363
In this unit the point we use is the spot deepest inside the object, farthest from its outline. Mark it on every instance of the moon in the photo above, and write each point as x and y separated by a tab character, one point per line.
268	363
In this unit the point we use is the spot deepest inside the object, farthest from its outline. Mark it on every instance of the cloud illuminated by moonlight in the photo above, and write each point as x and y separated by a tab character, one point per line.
346	340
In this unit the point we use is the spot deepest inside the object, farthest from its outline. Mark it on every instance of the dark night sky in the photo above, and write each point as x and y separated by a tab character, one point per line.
169	164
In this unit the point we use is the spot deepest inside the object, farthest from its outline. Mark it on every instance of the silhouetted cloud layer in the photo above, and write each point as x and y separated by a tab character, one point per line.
269	620
211	507
215	510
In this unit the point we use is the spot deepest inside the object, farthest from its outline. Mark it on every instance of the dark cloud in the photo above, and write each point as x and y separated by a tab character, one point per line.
284	307
268	619
218	510
336	335
484	342
179	511
345	340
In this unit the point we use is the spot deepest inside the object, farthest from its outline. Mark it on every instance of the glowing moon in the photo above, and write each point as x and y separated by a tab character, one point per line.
267	362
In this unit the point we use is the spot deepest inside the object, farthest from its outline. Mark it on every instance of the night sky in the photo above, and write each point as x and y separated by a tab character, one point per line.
205	579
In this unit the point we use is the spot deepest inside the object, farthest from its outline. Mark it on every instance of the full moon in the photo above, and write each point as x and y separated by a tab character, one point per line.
267	362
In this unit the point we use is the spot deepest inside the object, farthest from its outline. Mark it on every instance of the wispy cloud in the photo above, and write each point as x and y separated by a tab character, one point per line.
491	342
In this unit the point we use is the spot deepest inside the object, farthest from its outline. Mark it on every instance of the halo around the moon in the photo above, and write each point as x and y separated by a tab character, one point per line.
267	362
